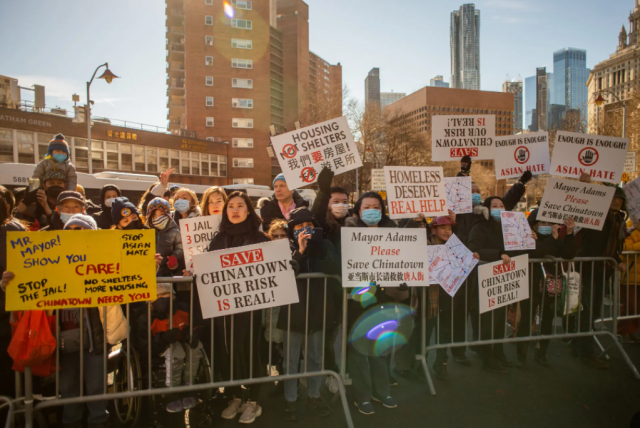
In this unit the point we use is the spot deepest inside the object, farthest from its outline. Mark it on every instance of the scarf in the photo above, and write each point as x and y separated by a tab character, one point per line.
243	228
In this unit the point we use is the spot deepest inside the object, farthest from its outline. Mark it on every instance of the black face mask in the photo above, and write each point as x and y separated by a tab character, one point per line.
54	191
161	305
134	225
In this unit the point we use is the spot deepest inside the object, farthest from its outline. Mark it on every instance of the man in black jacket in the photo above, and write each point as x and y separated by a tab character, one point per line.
281	203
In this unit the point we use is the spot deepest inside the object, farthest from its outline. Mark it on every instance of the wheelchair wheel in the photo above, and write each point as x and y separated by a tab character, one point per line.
203	375
127	410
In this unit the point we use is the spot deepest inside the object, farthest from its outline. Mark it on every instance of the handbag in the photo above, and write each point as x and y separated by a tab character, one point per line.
571	291
552	284
32	343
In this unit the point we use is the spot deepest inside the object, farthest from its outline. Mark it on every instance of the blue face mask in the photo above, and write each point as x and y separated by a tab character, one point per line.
545	230
476	199
181	205
495	214
60	157
307	229
371	217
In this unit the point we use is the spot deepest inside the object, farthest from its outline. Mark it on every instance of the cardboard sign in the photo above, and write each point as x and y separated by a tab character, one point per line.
453	137
458	190
632	190
451	265
587	203
600	156
304	152
414	190
630	162
502	284
80	268
197	233
388	256
516	154
377	180
433	251
516	231
244	279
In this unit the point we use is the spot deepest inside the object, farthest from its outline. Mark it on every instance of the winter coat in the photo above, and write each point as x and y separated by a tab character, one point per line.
92	208
193	212
12	225
103	219
55	223
593	243
546	246
66	167
486	237
271	210
94	325
169	243
319	211
159	325
632	242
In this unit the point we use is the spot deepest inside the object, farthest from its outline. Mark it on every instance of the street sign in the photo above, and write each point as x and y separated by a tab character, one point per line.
630	162
383	193
625	177
377	179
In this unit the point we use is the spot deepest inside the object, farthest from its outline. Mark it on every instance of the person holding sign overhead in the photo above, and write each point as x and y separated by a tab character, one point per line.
240	226
168	238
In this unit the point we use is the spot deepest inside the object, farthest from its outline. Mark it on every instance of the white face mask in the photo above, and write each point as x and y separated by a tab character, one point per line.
109	201
339	210
65	217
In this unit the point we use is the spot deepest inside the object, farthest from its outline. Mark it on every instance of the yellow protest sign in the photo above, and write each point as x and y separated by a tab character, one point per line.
84	268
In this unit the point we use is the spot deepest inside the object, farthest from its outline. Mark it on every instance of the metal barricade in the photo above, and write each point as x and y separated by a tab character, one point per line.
133	376
595	273
629	297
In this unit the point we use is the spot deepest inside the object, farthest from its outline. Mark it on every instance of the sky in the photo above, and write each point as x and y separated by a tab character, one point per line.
59	44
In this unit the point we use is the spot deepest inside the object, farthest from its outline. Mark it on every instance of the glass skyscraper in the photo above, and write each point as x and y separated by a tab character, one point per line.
530	115
465	47
570	74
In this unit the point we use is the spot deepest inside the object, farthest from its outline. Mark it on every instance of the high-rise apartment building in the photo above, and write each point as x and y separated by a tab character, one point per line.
465	47
542	98
438	82
387	98
234	72
372	87
515	87
568	87
530	111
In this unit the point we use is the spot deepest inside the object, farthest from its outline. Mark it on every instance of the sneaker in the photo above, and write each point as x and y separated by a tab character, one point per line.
174	406
493	365
251	412
462	359
291	411
189	403
232	409
319	407
502	359
365	407
392	380
332	384
594	362
542	360
440	370
388	402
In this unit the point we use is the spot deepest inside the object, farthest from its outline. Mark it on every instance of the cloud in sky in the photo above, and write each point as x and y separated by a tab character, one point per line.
507	4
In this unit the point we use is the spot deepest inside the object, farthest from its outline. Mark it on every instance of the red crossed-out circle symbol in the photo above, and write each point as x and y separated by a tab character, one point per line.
521	155
308	174
588	156
289	151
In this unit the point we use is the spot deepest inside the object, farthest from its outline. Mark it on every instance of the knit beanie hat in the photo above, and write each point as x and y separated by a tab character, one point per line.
58	143
82	220
164	288
279	177
158	204
53	175
298	216
120	208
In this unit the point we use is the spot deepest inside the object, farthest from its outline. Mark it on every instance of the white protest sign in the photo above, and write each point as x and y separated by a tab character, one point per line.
630	162
197	233
587	203
453	137
600	156
377	179
502	284
388	256
304	152
433	252
243	279
632	190
415	190
516	231
451	265
515	154
458	191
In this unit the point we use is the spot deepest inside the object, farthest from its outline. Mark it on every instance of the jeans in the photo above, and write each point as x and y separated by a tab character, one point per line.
313	355
93	383
370	375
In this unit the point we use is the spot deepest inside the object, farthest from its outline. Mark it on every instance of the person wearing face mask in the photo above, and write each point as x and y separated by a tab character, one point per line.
312	253
185	204
550	243
465	166
108	194
240	226
486	239
69	204
38	205
331	207
168	238
125	215
57	159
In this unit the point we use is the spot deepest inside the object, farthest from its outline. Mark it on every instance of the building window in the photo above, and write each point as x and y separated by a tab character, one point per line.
208	2
208	20
240	23
242	4
6	145
204	164
241	44
113	163
241	63
209	101
242	123
241	103
208	61
208	40
243	143
242	83
139	165
209	122
186	170
218	166
26	148
97	155
43	144
152	159
126	158
80	153
208	81
243	181
174	159
195	164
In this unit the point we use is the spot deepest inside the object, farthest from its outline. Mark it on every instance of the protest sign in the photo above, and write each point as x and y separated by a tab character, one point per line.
587	203
600	156
377	179
432	253
458	191
515	154
197	233
451	265
632	190
84	268
414	190
304	152
388	256
243	279
453	137
630	162
516	232
502	284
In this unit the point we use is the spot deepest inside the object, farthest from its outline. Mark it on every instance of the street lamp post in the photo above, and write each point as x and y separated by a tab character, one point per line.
600	101
108	76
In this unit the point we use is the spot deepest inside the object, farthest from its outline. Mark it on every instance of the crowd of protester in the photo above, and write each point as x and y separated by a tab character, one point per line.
302	336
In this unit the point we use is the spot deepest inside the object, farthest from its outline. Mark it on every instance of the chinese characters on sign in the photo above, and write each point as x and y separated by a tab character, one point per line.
122	135
194	145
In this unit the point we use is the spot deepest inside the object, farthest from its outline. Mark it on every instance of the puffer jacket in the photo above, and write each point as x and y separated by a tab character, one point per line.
193	212
66	167
94	323
169	243
271	210
486	237
632	242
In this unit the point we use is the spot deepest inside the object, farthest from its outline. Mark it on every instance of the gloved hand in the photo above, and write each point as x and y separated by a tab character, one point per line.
324	180
403	287
294	266
170	336
172	262
30	197
195	337
526	177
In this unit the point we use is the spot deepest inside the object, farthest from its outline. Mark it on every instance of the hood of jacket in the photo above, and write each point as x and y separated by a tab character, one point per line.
481	211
